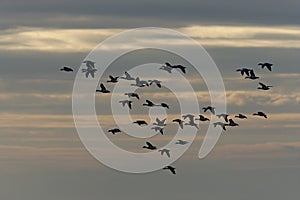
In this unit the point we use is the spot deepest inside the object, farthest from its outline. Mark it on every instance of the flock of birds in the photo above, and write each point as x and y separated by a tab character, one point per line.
185	120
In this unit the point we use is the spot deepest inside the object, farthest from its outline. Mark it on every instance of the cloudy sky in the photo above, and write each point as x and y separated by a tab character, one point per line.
41	155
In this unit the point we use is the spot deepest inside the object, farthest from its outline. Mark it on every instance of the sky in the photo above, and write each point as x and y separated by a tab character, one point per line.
41	155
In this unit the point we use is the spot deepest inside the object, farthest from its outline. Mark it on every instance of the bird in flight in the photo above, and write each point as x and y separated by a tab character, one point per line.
221	124
149	146
157	82
202	118
140	83
166	68
267	65
182	68
252	75
244	71
157	128
127	77
66	69
103	89
210	108
190	116
90	70
241	116
160	122
128	102
263	86
179	121
192	123
225	116
113	79
132	94
181	142
114	130
164	105
172	169
232	123
164	151
140	122
261	114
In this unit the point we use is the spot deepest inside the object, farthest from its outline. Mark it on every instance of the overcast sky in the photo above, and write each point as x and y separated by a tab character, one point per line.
41	156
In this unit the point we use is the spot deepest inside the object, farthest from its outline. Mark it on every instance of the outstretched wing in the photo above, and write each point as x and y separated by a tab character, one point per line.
263	85
102	86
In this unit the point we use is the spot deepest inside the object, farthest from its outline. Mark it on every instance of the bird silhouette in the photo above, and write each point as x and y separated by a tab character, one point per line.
164	151
164	105
102	89
113	79
244	71
132	94
149	103
182	68
140	83
202	118
179	121
181	142
149	146
210	108
232	123
261	114
89	63
127	77
190	116
140	122
166	68
157	82
241	116
114	130
90	70
172	169
221	124
66	69
267	65
157	128
160	122
252	75
263	86
225	116
128	102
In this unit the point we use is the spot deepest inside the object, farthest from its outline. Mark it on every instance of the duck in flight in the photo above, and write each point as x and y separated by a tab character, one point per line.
151	104
179	121
103	89
225	116
164	151
157	128
202	118
172	169
90	70
127	77
267	65
113	79
114	130
160	122
221	124
181	142
149	146
89	63
190	116
157	82
126	102
232	123
182	68
166	68
241	116
263	86
244	71
261	114
210	108
132	94
140	122
66	69
140	83
252	75
192	123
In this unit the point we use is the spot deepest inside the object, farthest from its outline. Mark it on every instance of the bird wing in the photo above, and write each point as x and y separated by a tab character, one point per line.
102	86
263	85
149	102
252	73
168	153
129	104
149	144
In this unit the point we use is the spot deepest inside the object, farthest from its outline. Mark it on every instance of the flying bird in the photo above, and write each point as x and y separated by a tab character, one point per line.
140	83
132	94
149	103
103	89
181	142
164	151
182	68
126	102
66	69
90	70
157	82
244	71
241	116
89	63
164	105
150	146
127	77
190	116
221	124
172	169
166	68
113	79
114	130
252	75
210	108
264	87
160	122
225	116
192	123
267	65
232	123
157	128
179	121
202	118
140	122
261	114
